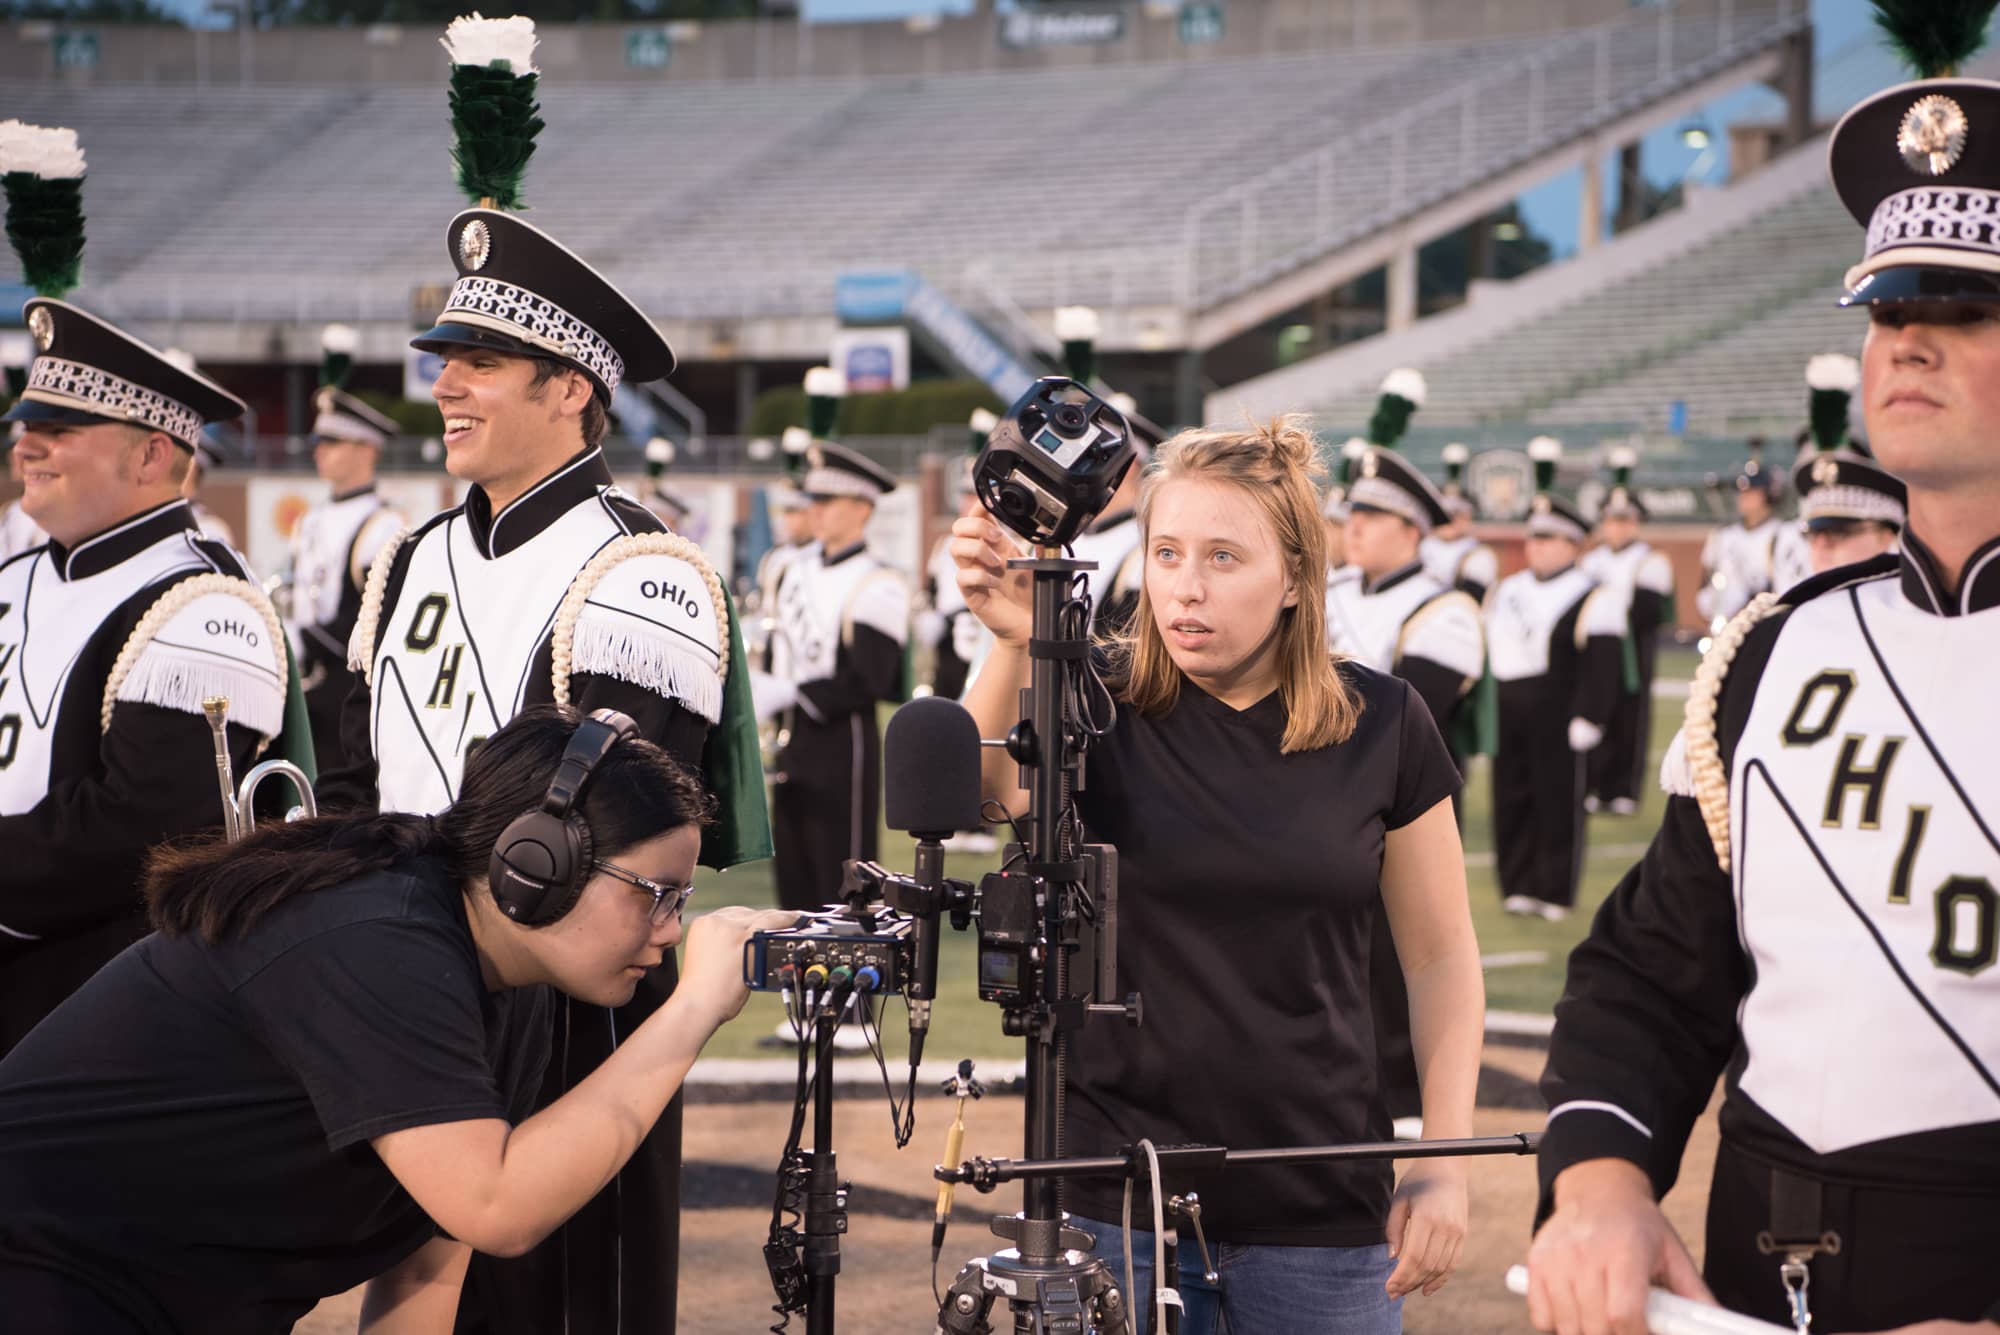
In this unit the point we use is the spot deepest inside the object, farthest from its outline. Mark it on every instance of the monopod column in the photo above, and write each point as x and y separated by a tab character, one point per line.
825	1212
1046	795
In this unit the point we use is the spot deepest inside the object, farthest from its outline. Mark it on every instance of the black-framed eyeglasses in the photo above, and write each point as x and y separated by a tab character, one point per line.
668	900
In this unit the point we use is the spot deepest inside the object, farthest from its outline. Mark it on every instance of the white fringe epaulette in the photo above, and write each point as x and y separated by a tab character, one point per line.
1704	747
624	649
361	644
158	674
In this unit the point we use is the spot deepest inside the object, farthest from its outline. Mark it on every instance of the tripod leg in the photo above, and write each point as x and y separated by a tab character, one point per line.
966	1304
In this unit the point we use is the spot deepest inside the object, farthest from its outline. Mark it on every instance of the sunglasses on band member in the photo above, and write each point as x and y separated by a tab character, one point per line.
668	900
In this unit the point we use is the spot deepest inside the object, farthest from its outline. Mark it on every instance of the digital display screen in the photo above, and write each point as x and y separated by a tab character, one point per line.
1000	970
1050	441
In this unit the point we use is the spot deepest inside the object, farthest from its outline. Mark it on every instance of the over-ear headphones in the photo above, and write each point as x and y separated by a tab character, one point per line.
542	860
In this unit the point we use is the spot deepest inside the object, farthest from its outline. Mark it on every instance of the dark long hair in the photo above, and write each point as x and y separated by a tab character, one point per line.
218	890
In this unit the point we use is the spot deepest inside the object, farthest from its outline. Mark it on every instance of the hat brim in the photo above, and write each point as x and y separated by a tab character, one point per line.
30	410
450	334
1906	283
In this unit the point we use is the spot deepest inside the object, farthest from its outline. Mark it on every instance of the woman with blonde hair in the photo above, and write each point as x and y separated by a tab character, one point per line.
1267	800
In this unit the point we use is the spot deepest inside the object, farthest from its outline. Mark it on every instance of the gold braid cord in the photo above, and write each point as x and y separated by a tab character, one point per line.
168	606
562	637
361	644
1704	748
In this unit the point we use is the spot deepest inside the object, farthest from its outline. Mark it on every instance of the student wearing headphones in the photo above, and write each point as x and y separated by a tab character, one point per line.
316	1072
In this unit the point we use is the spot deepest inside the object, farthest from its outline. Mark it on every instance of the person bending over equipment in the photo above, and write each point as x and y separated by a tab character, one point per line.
1267	802
313	1074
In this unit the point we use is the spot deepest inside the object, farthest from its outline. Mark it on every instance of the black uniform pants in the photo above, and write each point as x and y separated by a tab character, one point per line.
614	1268
826	807
1618	766
1537	795
1905	1255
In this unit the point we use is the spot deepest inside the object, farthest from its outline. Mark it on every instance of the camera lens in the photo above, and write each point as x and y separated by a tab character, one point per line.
1014	500
1069	418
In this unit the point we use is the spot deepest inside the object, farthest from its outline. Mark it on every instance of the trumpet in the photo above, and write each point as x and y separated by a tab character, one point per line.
238	804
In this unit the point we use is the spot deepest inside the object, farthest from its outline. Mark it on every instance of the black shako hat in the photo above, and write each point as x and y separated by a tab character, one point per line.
1918	165
1387	483
521	291
835	470
87	370
1841	485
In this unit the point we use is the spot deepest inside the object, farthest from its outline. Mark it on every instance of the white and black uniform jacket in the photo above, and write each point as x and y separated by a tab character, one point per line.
1463	563
107	651
1113	543
575	593
1816	921
1645	576
1555	644
332	549
1409	624
843	620
1737	564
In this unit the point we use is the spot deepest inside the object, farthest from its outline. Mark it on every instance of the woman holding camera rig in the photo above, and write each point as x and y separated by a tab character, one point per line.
310	1075
1266	802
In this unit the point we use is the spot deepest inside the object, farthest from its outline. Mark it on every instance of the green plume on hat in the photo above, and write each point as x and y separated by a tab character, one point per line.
793	445
1077	329
1350	456
41	171
494	116
825	388
1934	37
979	429
1544	451
337	345
1832	377
1402	393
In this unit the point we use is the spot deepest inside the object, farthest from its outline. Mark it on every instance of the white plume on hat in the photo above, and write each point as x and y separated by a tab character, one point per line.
340	339
1077	324
659	450
1406	382
1456	453
52	154
983	421
1623	456
180	358
823	382
1545	449
474	40
1354	448
1833	371
796	440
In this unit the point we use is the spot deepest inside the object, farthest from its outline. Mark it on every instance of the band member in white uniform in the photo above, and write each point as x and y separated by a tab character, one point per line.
1452	552
111	636
332	549
1739	560
1553	641
1816	922
1850	507
1396	619
843	621
549	585
1645	578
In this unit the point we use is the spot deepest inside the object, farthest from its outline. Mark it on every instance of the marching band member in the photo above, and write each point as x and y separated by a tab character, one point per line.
1645	578
1453	553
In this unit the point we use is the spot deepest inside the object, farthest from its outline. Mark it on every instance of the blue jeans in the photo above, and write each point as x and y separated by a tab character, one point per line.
1263	1290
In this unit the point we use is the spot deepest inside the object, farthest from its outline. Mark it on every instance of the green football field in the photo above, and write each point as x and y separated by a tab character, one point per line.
1525	957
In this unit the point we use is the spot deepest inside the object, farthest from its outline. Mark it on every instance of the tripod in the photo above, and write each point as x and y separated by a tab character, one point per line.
1049	1279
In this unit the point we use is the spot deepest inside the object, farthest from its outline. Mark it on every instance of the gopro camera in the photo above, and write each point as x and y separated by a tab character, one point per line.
1053	461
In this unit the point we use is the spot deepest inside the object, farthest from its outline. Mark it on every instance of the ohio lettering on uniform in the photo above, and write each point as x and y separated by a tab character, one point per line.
478	611
1825	879
107	651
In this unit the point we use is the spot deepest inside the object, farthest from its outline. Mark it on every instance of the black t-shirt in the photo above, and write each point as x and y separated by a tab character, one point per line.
188	1134
1248	884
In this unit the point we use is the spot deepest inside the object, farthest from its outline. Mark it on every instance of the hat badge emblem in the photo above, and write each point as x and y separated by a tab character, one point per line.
1541	505
815	457
1931	137
43	326
1370	464
1825	472
475	244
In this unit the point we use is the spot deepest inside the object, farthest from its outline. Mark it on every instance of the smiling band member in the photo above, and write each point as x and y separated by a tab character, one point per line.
111	635
1268	801
319	1071
550	586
